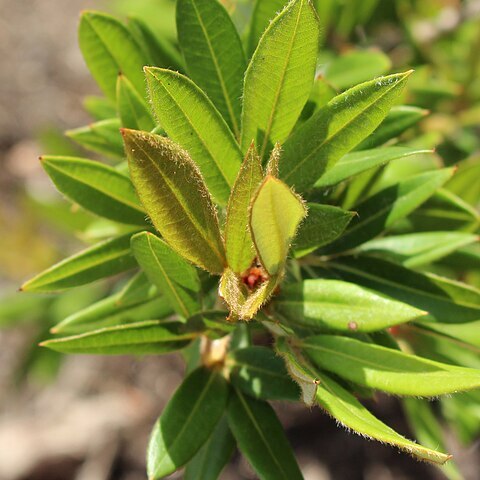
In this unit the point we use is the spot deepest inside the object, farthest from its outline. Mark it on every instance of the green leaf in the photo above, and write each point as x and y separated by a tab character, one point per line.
258	372
399	119
280	75
213	54
132	108
323	225
346	409
356	66
274	218
187	421
96	187
461	184
100	137
357	162
111	312
465	332
99	108
261	438
417	249
102	260
239	246
148	337
388	370
174	195
137	289
445	301
210	460
335	129
173	276
158	49
191	120
108	48
333	304
263	12
382	210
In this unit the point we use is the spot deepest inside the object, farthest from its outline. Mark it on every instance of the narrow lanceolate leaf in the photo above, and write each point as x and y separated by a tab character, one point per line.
100	261
263	12
389	370
96	187
382	210
133	110
275	215
213	54
108	48
332	304
238	240
357	162
174	195
176	279
280	75
261	438
191	120
137	289
399	119
151	336
417	249
323	225
336	128
210	460
346	409
260	373
187	421
444	300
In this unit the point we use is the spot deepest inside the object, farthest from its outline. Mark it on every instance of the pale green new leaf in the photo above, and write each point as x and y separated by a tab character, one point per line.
109	48
238	240
388	370
96	187
380	211
280	75
174	194
323	225
333	304
213	54
336	128
176	279
261	438
99	108
102	260
275	215
186	422
148	337
191	120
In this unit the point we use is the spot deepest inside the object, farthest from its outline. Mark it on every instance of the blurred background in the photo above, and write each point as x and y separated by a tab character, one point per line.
88	418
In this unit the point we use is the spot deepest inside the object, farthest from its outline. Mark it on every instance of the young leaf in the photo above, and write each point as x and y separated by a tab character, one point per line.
174	195
323	225
151	336
191	120
99	108
385	369
108	48
382	210
137	289
210	460
258	372
133	110
238	240
261	438
417	249
187	421
214	54
102	260
332	304
280	75
357	162
96	187
275	215
173	276
335	129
